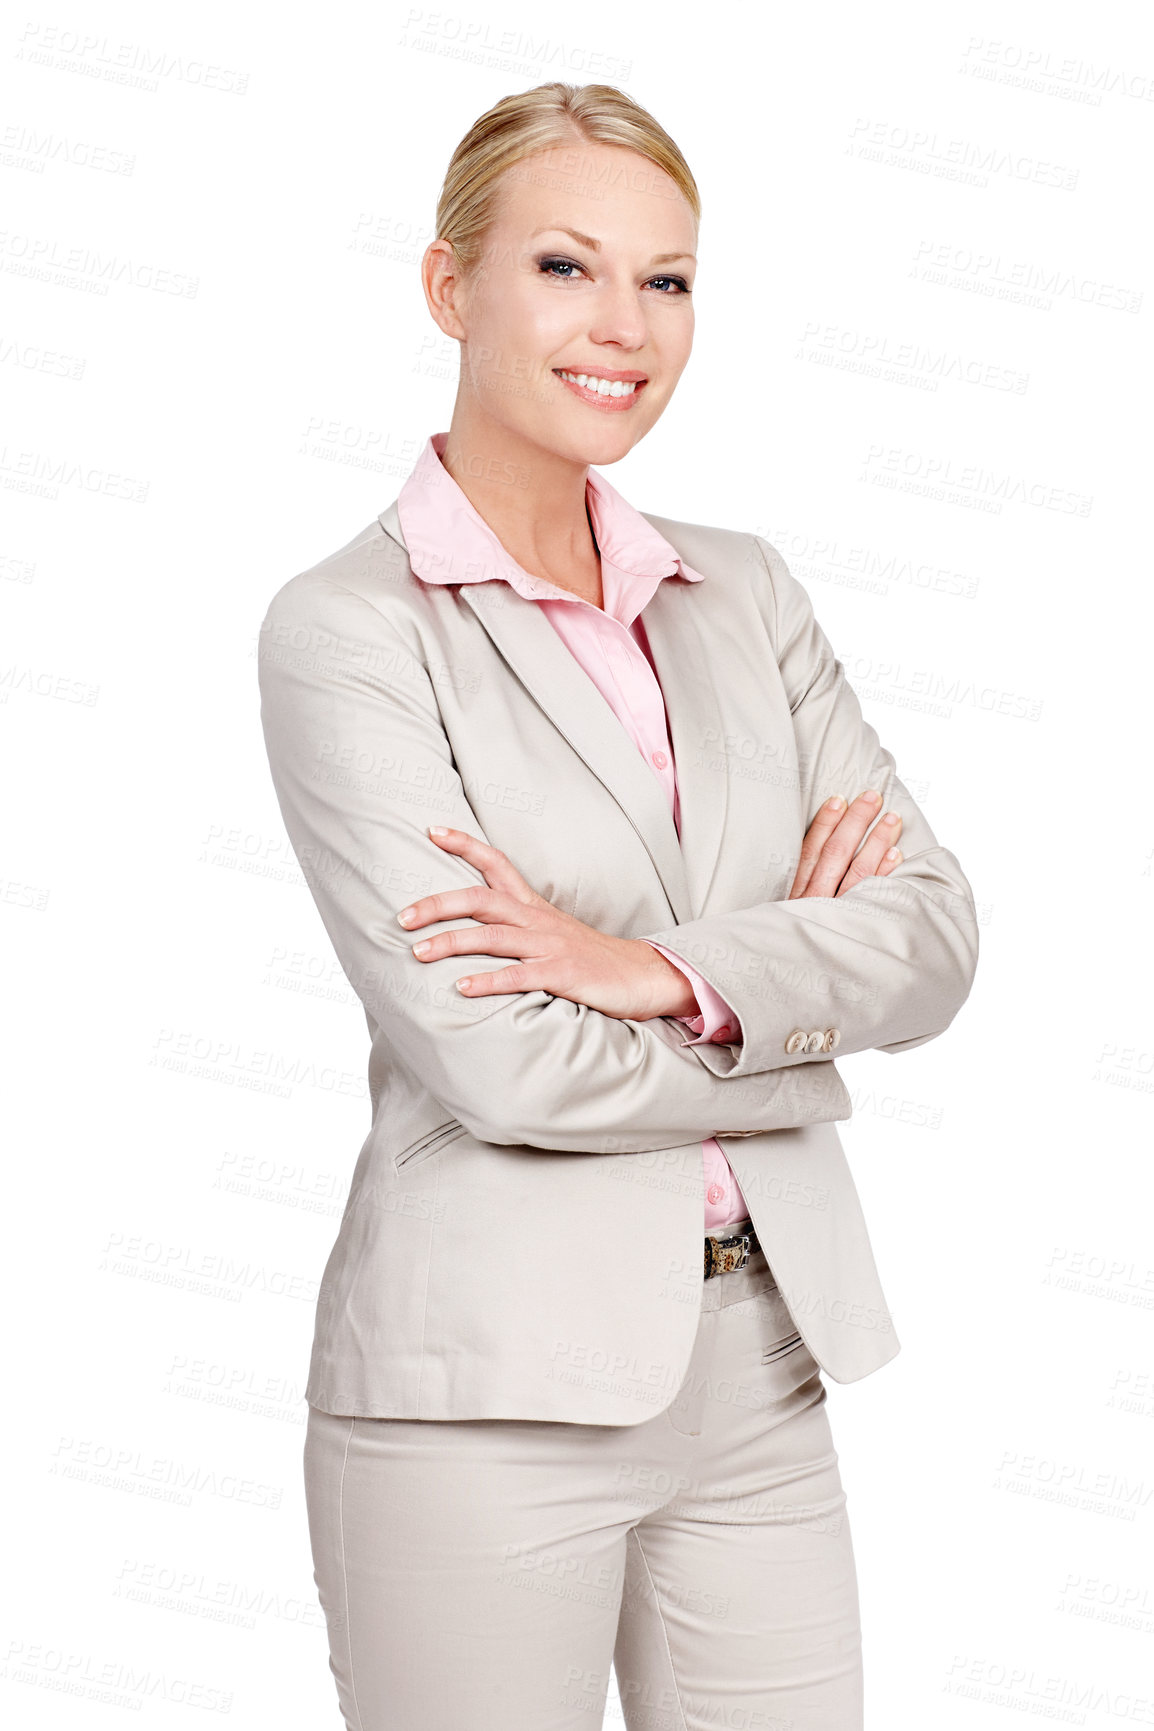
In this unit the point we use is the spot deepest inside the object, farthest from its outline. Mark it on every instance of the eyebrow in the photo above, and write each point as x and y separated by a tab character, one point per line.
595	245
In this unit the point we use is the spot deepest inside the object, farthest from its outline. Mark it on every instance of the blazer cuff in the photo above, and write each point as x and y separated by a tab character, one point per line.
717	1020
885	966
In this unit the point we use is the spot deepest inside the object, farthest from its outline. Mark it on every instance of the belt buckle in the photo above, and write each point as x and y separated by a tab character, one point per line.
721	1255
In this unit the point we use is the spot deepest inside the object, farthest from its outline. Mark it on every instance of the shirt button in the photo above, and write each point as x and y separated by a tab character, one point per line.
715	1193
659	759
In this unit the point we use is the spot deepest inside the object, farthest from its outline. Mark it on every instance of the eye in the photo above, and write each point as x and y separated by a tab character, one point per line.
556	266
548	265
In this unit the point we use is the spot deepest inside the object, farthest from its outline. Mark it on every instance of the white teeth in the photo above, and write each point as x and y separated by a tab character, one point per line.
603	387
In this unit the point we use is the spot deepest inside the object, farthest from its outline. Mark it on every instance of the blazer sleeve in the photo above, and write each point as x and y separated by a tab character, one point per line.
361	763
889	963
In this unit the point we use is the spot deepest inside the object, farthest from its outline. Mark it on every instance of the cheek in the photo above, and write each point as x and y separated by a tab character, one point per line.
676	352
519	330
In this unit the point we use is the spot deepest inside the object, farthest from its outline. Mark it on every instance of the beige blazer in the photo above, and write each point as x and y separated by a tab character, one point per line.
523	1233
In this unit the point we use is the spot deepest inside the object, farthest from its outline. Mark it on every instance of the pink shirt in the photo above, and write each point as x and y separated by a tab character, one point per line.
448	541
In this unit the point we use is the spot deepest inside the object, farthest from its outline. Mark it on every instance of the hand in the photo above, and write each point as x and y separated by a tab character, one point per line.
828	864
622	977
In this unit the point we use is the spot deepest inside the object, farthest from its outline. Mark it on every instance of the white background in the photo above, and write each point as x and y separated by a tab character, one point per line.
922	371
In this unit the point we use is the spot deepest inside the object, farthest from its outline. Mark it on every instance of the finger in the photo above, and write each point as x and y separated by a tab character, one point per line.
489	985
475	902
828	817
496	867
483	940
874	853
839	849
891	859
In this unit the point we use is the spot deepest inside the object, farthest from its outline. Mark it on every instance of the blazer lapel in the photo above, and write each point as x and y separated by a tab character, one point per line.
540	660
673	625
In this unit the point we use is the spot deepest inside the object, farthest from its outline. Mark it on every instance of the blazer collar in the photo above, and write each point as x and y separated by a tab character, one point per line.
538	657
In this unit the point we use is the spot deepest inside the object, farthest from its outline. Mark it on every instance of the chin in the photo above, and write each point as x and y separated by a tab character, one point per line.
601	445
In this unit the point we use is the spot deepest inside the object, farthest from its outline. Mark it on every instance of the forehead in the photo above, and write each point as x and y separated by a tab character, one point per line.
604	192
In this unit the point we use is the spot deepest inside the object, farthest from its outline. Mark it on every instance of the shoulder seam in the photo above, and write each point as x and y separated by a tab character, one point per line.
761	546
322	578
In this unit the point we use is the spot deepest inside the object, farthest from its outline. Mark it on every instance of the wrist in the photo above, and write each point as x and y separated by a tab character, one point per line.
669	991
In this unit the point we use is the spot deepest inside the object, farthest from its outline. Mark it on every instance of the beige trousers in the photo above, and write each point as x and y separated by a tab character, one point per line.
481	1574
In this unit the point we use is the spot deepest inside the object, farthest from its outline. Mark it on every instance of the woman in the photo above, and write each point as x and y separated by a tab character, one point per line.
606	848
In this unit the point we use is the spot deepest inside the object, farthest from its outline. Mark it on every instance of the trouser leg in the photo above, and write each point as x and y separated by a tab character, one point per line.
740	1605
470	1572
481	1575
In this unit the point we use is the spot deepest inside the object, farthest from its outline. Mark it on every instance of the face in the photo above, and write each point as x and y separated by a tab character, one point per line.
587	271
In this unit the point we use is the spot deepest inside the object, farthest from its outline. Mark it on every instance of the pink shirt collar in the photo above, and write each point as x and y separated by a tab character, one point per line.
448	541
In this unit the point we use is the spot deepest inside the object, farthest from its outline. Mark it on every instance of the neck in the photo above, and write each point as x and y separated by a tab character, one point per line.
533	500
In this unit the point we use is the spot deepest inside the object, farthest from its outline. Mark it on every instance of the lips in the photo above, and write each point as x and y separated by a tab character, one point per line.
619	390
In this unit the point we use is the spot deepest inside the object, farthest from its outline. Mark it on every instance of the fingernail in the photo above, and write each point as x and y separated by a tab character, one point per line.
872	795
835	804
890	817
419	949
406	915
437	829
893	853
463	985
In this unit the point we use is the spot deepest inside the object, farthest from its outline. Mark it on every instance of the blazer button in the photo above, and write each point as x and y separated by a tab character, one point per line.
816	1041
832	1036
796	1042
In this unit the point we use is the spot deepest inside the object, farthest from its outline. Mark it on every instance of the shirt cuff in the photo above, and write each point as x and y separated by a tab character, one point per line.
717	1022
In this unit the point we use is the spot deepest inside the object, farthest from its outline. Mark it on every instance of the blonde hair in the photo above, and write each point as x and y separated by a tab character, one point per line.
551	116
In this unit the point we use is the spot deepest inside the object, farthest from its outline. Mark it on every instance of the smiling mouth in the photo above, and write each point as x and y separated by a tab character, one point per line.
594	386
